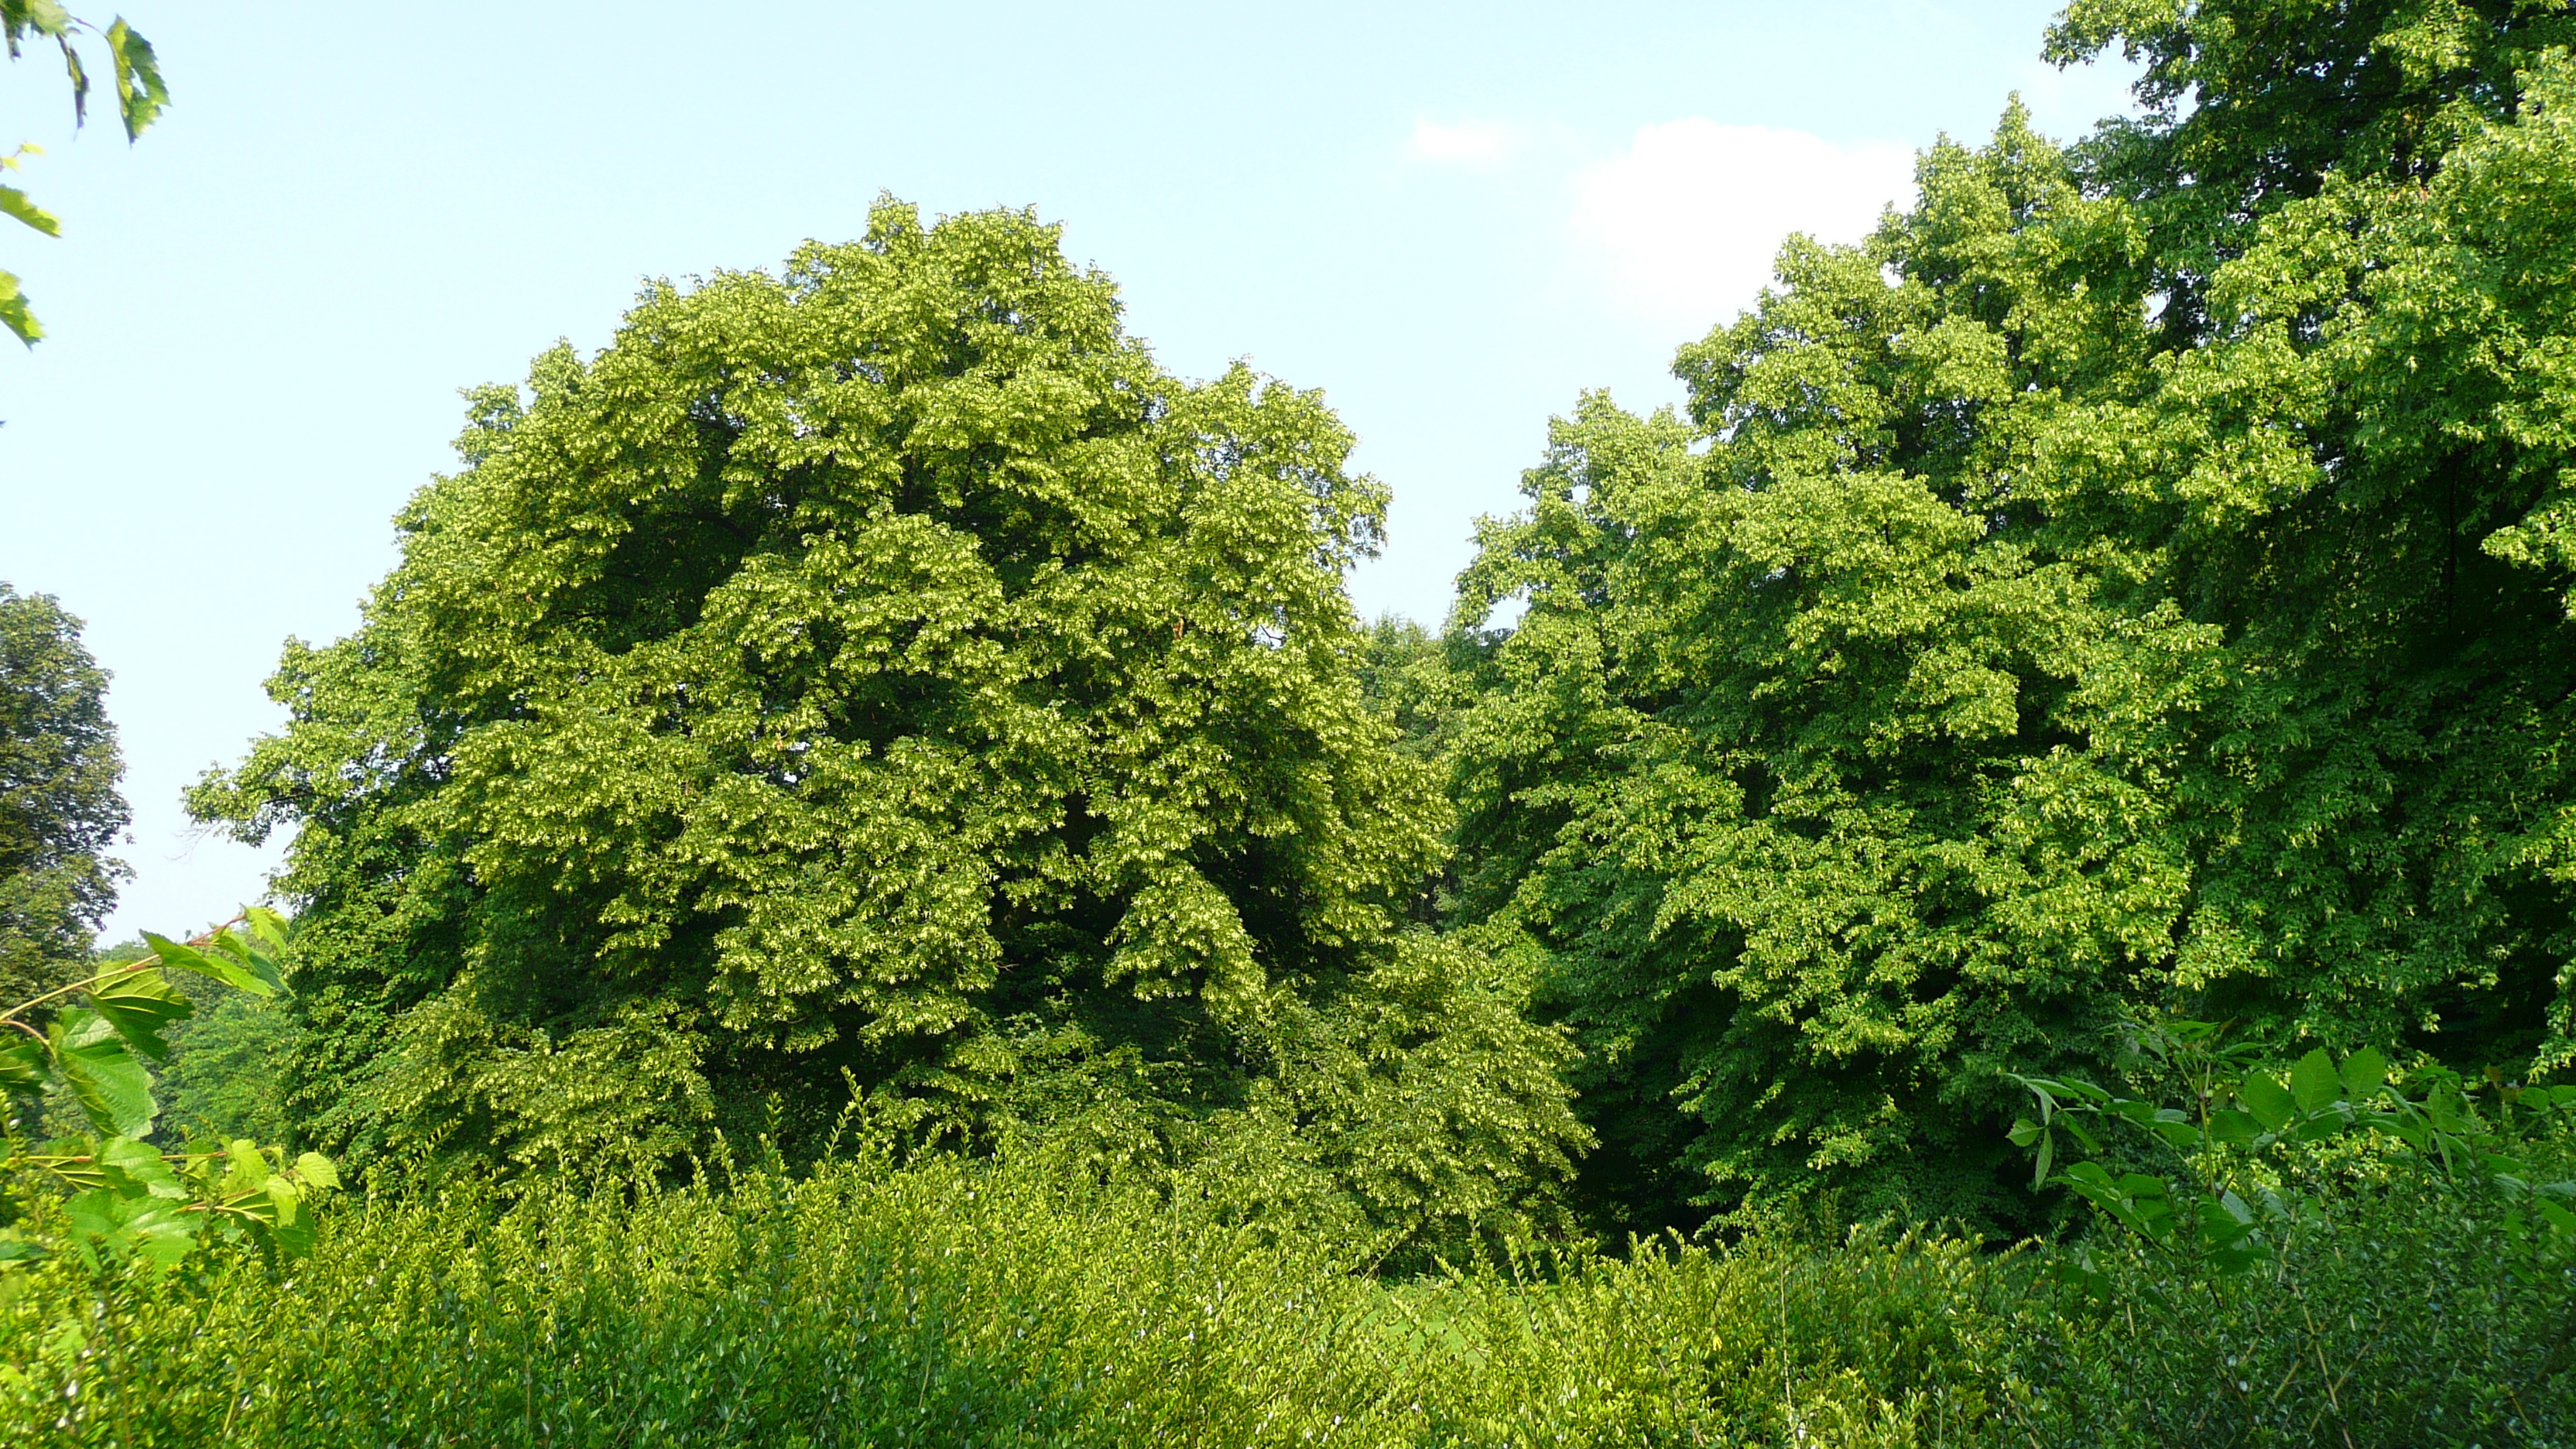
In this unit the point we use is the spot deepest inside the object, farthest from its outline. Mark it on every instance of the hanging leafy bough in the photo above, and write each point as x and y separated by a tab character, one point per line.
2251	1150
140	97
131	1199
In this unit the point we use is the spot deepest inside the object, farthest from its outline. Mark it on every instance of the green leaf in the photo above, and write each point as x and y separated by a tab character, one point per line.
108	1081
316	1169
242	953
268	926
2406	1129
130	1227
2176	1128
2270	1102
139	1004
2090	1178
14	314
140	1167
141	95
47	18
79	74
223	969
14	203
2314	1083
249	1167
24	1069
2232	1126
2024	1133
2364	1073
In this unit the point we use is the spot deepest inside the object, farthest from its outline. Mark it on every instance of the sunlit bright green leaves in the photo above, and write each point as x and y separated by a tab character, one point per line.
110	1083
2136	577
139	1004
1818	772
884	667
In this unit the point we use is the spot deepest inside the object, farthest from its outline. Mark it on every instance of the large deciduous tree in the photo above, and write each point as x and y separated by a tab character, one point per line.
59	810
884	668
2133	580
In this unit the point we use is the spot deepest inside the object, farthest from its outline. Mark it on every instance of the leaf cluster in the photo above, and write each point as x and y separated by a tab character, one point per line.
131	1200
141	95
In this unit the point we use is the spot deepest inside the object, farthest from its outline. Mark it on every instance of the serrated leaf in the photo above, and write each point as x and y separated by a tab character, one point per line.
2269	1101
47	18
24	1068
2232	1126
2090	1175
139	1004
249	1166
2180	1133
2364	1073
142	1167
158	1232
107	1080
269	927
189	958
14	203
316	1169
14	314
141	95
241	952
2314	1082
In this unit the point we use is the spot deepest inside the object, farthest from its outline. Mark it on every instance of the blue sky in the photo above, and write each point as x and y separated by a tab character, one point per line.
1452	218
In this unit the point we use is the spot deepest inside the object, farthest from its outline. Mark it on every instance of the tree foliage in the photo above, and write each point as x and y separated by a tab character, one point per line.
885	669
59	810
140	96
2130	581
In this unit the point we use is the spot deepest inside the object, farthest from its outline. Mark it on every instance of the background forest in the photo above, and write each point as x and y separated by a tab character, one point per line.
862	881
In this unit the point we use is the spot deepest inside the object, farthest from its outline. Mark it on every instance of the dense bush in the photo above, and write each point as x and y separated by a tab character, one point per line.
958	1302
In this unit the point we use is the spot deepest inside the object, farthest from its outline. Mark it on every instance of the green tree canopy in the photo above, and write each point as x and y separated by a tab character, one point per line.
59	810
885	668
2133	580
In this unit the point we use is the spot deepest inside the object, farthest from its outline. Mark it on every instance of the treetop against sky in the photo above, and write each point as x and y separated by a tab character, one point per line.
1450	218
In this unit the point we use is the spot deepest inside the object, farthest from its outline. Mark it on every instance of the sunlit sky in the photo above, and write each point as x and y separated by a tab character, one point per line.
1452	218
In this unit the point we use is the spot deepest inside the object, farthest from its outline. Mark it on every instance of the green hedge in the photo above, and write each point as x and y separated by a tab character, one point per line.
952	1302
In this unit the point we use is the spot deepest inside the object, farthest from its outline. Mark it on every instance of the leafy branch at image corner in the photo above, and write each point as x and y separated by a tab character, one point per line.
131	1199
141	96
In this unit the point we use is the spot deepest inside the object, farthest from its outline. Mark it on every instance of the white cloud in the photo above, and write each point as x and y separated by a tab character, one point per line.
1481	145
1682	226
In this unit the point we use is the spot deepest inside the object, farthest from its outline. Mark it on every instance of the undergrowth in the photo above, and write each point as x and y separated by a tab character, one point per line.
955	1302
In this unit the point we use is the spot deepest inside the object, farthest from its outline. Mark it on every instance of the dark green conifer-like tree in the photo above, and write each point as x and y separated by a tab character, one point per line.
59	810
